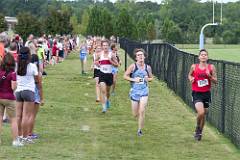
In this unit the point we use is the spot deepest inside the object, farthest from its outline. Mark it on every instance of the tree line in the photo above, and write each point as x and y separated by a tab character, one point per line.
174	21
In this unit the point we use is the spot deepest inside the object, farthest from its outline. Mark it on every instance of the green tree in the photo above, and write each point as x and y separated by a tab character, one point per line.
229	37
100	22
107	25
28	24
142	29
84	22
95	22
151	31
124	25
58	22
3	24
75	25
171	32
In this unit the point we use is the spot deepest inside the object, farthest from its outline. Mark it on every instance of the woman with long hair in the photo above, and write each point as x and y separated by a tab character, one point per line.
7	99
27	78
38	98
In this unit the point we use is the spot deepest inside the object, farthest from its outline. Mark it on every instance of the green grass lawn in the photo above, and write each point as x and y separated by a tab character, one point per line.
220	52
71	125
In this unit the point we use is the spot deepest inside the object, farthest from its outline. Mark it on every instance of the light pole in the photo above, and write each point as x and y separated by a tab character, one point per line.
201	37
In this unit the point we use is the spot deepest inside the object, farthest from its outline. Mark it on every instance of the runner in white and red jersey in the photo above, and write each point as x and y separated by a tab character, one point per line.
106	60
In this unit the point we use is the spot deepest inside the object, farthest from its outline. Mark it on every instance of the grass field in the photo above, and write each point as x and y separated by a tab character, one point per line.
220	52
71	125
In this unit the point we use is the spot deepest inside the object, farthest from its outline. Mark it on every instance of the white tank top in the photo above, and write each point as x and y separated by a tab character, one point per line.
94	59
105	64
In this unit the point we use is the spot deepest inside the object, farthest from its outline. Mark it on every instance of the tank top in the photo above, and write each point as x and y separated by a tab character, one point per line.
94	59
40	53
202	82
105	64
139	72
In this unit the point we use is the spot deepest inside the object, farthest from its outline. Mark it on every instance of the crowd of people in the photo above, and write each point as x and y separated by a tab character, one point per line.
22	67
21	70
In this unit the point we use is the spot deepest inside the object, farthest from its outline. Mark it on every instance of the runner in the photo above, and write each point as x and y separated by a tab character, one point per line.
201	75
97	71
83	56
106	60
139	74
115	69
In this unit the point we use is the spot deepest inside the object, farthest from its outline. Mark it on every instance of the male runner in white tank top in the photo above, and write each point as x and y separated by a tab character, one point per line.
106	60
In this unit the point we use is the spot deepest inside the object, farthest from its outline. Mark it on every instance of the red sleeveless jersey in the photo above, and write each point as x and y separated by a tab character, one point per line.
201	82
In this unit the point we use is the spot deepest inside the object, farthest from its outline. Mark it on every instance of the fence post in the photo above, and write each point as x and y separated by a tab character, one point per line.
223	98
126	45
125	60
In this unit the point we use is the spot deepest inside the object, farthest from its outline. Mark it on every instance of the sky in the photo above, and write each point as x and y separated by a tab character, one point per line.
159	1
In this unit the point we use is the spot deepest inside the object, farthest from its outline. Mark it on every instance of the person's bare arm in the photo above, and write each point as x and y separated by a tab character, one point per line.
213	74
190	77
14	85
149	78
114	61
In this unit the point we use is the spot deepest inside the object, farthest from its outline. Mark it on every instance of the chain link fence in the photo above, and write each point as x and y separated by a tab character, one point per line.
172	66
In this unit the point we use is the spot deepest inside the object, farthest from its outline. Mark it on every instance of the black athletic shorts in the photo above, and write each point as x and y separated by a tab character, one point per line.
61	53
204	97
106	78
96	73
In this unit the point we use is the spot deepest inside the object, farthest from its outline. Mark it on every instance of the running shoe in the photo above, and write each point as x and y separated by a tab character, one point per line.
104	110
5	120
27	140
108	104
198	134
140	133
17	142
84	73
33	136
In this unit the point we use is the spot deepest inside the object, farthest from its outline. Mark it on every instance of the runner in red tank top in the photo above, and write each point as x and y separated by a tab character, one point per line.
201	75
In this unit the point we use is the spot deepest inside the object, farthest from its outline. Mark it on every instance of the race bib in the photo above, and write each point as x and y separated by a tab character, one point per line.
202	83
141	81
105	69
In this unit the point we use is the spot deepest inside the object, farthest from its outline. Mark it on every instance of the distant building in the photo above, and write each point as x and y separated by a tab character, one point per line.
11	22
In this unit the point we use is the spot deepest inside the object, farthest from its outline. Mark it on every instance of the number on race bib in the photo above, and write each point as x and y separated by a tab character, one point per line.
141	81
105	69
202	83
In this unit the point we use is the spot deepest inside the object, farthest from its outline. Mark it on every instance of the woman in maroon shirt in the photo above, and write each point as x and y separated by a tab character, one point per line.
7	99
54	53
